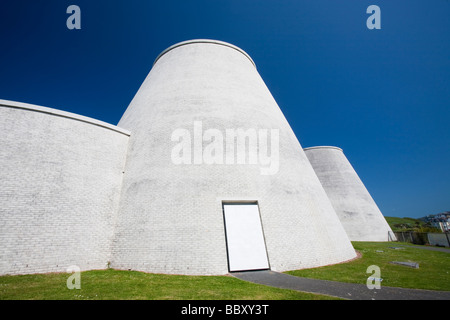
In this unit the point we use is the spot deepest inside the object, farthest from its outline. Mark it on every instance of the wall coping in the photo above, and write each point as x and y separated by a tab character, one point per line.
60	113
217	42
323	147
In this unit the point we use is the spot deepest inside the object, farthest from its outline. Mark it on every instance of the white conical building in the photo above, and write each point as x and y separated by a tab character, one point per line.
358	212
173	204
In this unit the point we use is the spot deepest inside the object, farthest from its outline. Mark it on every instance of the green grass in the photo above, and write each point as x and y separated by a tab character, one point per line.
133	285
433	272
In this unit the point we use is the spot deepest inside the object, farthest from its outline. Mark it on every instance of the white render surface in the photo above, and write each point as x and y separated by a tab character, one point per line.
60	186
171	218
357	211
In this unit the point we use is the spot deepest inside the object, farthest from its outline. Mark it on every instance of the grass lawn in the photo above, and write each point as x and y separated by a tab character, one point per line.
433	272
133	285
110	284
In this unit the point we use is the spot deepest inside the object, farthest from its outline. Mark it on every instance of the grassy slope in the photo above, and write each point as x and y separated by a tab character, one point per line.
409	224
132	285
433	272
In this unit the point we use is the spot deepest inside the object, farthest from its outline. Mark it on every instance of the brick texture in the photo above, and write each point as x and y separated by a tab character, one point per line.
60	186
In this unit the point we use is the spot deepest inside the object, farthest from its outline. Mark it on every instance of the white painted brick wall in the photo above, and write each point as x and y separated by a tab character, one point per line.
60	184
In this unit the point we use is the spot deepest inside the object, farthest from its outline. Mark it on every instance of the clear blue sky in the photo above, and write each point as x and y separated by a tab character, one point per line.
381	95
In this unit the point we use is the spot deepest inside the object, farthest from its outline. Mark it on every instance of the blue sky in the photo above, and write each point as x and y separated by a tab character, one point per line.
381	95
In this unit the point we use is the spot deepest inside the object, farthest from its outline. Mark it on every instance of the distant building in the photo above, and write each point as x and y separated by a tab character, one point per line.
440	221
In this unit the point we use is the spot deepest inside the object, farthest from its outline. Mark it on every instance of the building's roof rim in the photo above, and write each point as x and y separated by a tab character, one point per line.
60	113
217	42
323	147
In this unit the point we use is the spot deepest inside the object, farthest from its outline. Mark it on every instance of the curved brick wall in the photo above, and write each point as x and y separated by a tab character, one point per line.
171	217
358	212
60	186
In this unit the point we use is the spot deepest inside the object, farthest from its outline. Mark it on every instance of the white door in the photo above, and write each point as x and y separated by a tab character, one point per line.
245	239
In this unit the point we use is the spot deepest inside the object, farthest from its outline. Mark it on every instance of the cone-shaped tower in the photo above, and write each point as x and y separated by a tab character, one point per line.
215	174
358	212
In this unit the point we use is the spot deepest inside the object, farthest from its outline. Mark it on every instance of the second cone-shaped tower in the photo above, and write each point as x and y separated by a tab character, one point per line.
216	180
355	207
